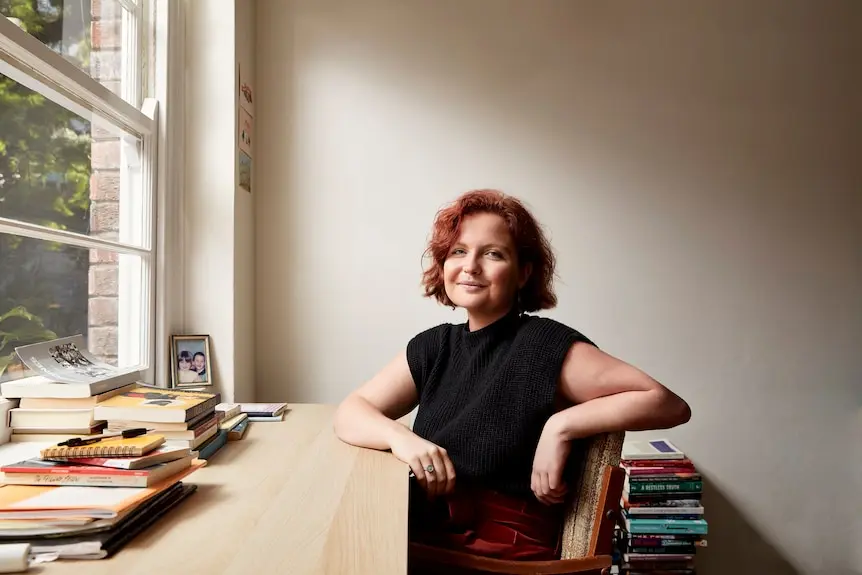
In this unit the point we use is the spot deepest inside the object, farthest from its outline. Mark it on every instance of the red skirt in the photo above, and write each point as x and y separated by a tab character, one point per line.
488	523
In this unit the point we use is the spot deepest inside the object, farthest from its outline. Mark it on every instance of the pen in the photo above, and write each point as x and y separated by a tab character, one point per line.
125	434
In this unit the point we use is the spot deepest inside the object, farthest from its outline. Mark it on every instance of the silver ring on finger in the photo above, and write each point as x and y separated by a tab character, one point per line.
429	468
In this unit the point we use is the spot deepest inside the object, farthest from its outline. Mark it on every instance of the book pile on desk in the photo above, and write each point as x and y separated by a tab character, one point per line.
183	417
663	518
83	502
87	502
234	422
59	402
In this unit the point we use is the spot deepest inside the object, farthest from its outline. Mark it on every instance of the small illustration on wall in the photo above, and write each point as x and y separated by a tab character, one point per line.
191	365
244	171
246	94
246	132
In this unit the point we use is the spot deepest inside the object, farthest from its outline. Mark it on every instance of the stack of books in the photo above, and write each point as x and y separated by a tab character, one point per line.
264	411
86	501
98	456
184	418
232	420
59	402
663	518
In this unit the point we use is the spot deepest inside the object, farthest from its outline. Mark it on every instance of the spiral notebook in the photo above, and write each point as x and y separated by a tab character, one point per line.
111	447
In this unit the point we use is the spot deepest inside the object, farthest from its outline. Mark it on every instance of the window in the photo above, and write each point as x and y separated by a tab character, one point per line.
77	179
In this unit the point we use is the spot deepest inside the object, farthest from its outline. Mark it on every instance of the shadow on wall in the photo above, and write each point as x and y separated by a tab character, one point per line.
734	545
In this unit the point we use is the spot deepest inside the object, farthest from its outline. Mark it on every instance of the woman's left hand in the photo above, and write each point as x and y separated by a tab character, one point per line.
548	464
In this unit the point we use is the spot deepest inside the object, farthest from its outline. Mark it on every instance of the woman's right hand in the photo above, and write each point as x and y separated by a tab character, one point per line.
419	454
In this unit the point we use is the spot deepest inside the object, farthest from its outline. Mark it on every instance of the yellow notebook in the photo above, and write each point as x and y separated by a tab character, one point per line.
111	447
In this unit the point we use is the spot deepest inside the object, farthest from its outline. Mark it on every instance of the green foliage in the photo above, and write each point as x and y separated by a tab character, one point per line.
18	327
44	179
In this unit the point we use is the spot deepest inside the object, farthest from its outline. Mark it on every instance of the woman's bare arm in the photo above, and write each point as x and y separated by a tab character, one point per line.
366	417
611	395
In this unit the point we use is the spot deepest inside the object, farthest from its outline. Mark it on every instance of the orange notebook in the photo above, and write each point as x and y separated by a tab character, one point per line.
111	447
65	501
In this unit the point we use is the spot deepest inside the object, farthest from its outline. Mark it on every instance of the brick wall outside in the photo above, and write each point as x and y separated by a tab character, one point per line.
105	59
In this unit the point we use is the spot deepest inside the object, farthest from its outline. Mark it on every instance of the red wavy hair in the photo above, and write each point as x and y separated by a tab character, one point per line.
530	243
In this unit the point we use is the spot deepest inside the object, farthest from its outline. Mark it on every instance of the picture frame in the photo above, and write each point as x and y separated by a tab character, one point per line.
191	361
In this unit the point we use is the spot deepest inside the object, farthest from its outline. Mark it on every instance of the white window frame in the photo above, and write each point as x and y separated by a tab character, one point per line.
167	60
30	63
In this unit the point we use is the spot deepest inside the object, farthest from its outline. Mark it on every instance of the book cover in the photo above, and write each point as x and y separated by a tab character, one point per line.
663	487
66	360
156	404
229	410
105	541
159	455
661	526
651	449
40	472
263	409
38	502
110	447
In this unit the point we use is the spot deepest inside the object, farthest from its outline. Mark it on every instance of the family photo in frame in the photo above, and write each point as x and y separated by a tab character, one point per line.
191	364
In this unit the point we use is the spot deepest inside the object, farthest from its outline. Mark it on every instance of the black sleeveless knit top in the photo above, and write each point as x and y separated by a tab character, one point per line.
485	395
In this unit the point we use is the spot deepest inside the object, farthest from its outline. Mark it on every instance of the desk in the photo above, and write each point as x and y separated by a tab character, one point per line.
288	498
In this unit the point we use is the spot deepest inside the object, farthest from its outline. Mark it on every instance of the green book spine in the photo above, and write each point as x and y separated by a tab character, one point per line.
665	486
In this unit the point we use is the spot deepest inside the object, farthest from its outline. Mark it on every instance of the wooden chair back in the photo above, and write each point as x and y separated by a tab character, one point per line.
587	537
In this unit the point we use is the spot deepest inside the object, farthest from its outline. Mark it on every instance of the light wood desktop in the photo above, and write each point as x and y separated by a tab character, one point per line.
288	498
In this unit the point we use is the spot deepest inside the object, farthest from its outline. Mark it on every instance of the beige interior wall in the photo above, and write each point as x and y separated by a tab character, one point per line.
244	256
697	166
218	227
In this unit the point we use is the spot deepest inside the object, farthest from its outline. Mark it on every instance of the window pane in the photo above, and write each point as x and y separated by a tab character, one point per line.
50	290
94	35
61	171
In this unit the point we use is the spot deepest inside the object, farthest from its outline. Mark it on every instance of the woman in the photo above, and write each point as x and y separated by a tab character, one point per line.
503	397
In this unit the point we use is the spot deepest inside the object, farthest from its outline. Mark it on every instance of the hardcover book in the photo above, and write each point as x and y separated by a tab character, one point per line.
155	404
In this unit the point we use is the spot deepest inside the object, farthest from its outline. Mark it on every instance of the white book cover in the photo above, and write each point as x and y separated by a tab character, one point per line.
651	449
66	360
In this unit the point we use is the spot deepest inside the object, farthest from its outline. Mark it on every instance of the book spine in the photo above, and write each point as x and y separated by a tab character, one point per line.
690	549
648	499
637	511
663	526
105	462
647	540
87	451
210	448
85	480
665	486
663	503
666	516
665	477
658	471
684	462
204	407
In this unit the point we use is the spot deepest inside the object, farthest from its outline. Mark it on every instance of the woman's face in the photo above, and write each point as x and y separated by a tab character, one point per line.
481	272
185	364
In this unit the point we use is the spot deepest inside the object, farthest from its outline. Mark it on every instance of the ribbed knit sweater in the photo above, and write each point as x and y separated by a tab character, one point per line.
485	395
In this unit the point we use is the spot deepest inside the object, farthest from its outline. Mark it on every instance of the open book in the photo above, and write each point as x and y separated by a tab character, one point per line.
67	361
